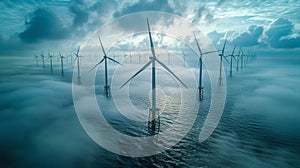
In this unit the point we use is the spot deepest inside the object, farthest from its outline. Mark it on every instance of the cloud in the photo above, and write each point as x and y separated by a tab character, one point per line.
279	34
250	38
151	5
215	36
38	121
80	11
202	13
43	25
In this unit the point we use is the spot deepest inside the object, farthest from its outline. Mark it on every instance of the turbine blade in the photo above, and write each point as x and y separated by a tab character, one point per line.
208	52
226	59
164	66
114	60
234	57
101	45
77	54
143	68
96	65
233	49
224	47
151	42
198	45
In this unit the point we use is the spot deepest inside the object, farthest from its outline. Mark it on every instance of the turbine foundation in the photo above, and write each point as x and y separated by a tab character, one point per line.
153	122
106	91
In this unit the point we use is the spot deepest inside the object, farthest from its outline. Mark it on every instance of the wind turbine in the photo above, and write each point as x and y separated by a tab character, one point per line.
237	60
231	56
125	56
130	57
183	54
77	58
36	60
139	57
242	59
105	57
43	58
221	59
71	58
153	60
61	63
50	57
200	87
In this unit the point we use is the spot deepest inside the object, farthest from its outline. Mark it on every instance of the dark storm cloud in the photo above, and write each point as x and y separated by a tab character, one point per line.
10	46
80	11
249	38
155	5
278	34
43	25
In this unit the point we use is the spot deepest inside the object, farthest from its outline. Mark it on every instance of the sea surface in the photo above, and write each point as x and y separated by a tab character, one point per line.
260	125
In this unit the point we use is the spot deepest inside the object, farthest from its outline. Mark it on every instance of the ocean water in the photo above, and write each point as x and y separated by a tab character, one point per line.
260	125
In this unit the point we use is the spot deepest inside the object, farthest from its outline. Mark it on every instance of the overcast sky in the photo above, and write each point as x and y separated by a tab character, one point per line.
30	26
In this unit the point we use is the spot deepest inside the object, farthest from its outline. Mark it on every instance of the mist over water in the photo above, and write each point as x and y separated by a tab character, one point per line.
260	126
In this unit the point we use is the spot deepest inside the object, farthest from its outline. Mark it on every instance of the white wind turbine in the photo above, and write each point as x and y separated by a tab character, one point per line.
50	58
231	56
221	59
105	57
43	59
153	110
183	54
36	60
200	87
238	60
61	63
77	58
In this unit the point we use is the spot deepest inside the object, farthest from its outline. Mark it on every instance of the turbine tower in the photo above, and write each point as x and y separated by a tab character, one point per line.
105	57
153	110
200	87
221	59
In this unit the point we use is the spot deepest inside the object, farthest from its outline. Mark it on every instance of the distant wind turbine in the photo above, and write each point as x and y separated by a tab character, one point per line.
77	58
221	59
183	54
43	58
105	57
231	56
169	58
50	58
139	57
61	63
36	60
130	57
153	59
238	59
200	87
71	58
242	59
